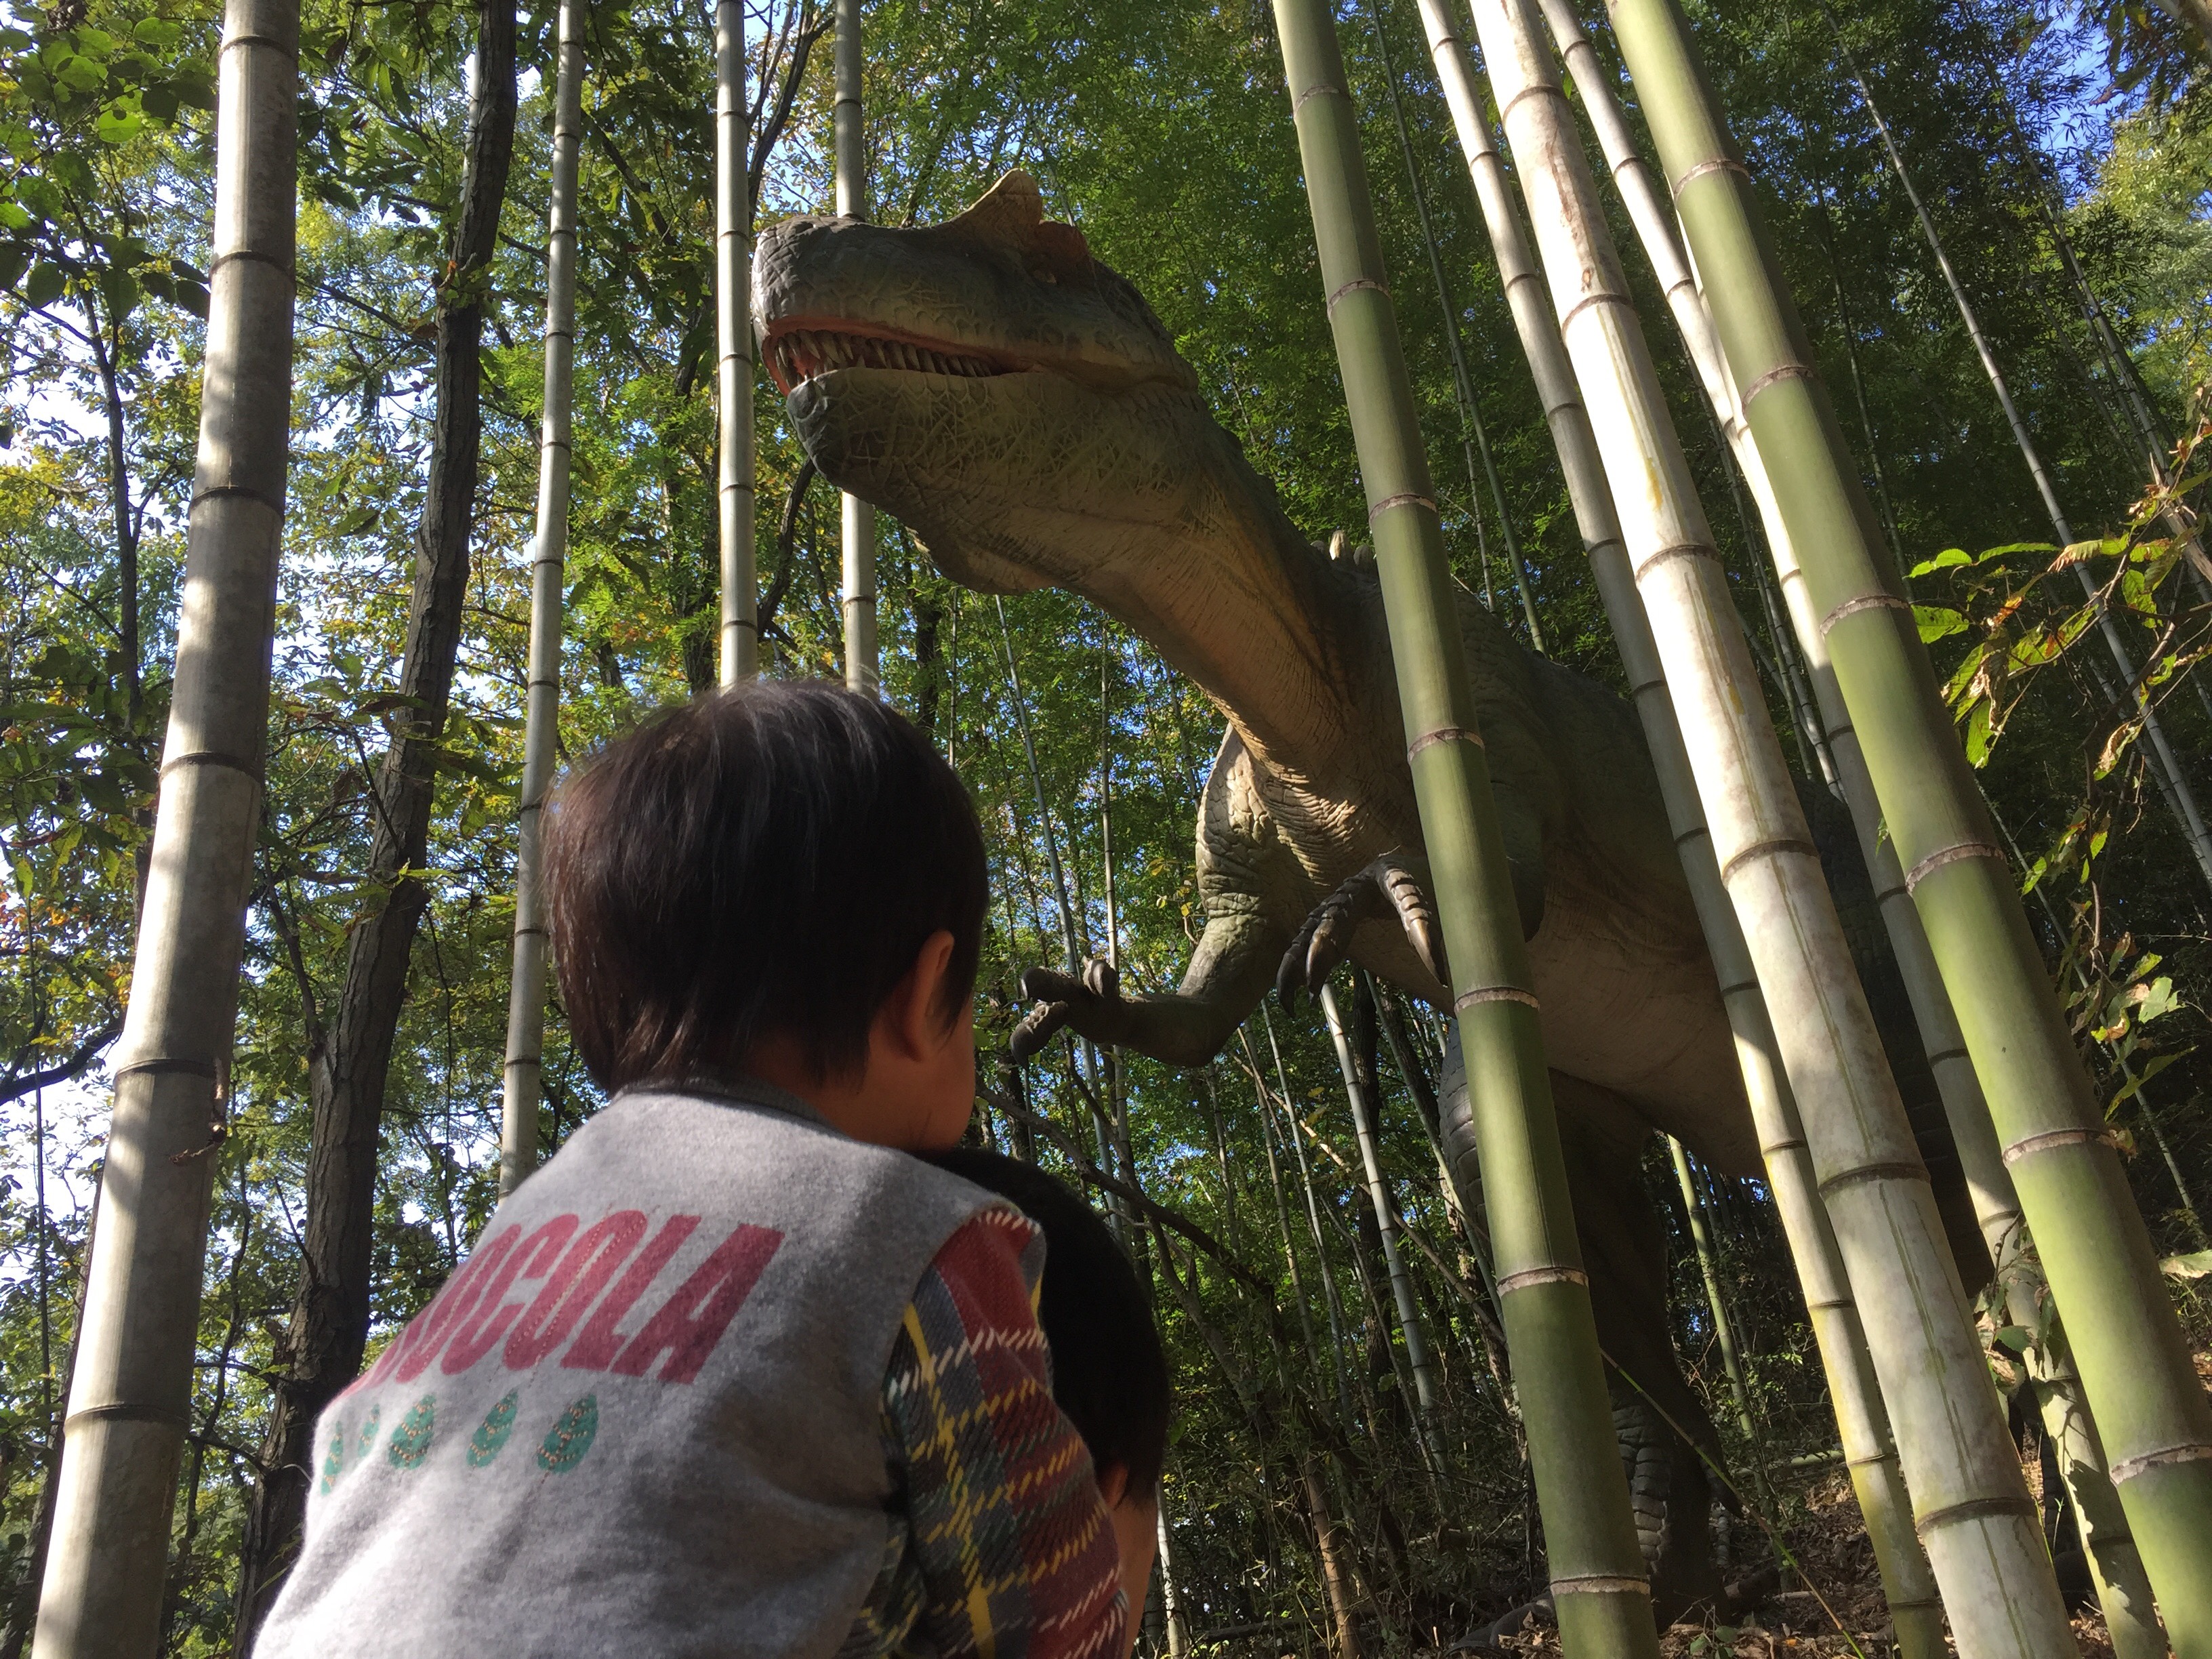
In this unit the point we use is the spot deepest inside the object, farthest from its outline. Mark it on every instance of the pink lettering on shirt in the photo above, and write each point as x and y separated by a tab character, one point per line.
427	1332
531	1259
691	1321
595	1348
573	1286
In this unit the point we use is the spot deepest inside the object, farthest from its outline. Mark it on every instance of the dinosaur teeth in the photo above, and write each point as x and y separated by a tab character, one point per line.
803	354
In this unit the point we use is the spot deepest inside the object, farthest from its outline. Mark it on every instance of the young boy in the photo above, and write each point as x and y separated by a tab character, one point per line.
1109	1373
733	1374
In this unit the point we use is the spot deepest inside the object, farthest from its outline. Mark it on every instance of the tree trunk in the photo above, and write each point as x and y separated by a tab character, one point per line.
738	655
863	673
1335	1580
349	1066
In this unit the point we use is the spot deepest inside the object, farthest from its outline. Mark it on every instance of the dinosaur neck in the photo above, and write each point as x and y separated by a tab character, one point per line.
1288	644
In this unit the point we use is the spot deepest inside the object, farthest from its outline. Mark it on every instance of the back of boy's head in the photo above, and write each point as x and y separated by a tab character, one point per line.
766	860
1109	1372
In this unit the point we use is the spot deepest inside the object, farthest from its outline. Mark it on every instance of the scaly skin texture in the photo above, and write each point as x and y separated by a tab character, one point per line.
1020	406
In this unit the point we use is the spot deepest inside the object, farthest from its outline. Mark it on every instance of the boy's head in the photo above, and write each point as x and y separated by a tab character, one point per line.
1109	1372
763	866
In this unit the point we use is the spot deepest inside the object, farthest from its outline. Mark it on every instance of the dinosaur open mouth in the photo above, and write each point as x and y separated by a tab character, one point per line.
796	354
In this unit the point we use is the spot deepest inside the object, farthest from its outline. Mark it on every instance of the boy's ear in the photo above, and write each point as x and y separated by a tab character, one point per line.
1114	1484
915	1005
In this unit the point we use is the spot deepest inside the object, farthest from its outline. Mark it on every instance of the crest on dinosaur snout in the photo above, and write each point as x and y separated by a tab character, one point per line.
999	291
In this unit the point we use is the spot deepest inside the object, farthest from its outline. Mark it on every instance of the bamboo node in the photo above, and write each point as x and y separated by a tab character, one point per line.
259	259
123	1411
2127	1468
213	758
2051	1139
1975	1508
1602	296
1598	1583
1864	602
1935	861
1467	999
1529	1277
1866	1172
1717	164
1760	849
1779	372
1405	499
1354	286
1679	551
1443	735
160	1066
1314	91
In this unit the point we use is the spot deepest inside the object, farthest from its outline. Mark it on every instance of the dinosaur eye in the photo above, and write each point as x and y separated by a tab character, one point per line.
1041	274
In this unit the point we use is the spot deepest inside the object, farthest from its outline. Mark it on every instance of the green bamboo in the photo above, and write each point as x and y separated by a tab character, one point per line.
1599	1587
1971	1505
1709	1268
525	1000
1386	1226
1862	1423
2149	1407
2123	1589
1462	381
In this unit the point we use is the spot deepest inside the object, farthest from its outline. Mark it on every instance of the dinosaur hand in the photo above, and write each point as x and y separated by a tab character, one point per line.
1091	1002
1391	885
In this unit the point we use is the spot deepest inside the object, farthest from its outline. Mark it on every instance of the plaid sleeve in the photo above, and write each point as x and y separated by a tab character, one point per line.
1009	1551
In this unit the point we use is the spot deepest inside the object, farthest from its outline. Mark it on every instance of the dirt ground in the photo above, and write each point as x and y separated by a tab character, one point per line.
1838	1611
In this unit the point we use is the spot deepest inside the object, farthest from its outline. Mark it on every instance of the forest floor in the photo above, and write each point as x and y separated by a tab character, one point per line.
1839	1613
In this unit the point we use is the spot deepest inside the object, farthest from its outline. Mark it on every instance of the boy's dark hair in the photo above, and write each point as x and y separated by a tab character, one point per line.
1109	1372
766	860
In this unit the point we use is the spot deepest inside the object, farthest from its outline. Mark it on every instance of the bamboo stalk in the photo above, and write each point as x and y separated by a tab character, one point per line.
1971	1505
1332	1301
2122	1586
1598	1580
525	1000
129	1397
2126	1342
2166	770
740	658
863	673
1862	1422
1709	1269
1462	381
1386	1226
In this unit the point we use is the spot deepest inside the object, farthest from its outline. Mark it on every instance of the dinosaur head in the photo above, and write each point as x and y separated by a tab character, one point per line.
988	382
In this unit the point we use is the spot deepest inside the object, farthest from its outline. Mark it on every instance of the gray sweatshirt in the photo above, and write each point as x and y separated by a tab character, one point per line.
644	1416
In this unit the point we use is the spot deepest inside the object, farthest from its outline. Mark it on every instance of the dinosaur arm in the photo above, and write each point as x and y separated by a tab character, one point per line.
1231	970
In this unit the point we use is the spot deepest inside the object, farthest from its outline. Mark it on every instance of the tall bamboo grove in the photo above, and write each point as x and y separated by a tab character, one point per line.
2096	1252
739	653
1862	1421
2123	1589
1971	1505
525	997
1597	1575
130	1401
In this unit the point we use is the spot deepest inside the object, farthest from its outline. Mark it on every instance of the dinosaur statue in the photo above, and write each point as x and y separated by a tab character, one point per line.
1019	406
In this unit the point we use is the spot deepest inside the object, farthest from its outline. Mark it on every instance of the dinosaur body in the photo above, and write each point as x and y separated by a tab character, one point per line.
1020	406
